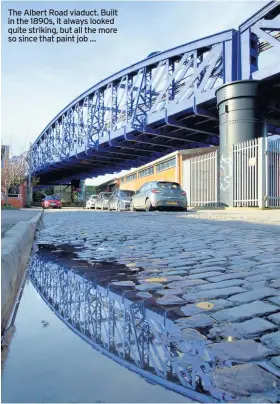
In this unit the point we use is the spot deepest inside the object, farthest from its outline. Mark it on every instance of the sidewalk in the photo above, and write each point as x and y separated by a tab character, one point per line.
17	233
241	216
10	218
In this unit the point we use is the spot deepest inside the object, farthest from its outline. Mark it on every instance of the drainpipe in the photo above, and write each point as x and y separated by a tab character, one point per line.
178	166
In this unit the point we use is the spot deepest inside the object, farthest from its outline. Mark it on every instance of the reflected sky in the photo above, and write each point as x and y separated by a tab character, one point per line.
49	363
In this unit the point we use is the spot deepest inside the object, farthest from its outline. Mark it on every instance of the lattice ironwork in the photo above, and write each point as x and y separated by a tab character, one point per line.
161	104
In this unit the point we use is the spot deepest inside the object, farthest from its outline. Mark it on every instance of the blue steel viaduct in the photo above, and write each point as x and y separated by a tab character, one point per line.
218	90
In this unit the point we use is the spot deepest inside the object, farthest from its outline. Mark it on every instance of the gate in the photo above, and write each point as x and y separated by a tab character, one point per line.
256	173
201	179
245	173
273	174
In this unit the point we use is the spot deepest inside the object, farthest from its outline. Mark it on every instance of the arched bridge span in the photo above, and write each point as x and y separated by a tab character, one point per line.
161	104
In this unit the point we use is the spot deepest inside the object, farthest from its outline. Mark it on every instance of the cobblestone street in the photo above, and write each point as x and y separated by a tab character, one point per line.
216	272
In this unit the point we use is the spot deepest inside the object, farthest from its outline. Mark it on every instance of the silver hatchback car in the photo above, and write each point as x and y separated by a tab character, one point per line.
102	200
159	194
120	200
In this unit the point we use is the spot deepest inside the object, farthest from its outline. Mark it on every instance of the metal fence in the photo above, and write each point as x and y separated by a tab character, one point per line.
256	173
272	195
204	180
245	173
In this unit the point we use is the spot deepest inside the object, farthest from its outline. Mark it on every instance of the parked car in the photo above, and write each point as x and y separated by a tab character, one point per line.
102	200
51	201
159	194
91	202
120	200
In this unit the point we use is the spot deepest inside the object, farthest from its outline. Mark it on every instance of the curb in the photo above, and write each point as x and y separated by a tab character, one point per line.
16	246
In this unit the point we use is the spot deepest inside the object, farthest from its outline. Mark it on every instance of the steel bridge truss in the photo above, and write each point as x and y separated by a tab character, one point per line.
159	105
113	124
259	34
131	334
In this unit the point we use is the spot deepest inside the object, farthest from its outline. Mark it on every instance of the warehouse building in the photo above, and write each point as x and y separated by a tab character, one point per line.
194	169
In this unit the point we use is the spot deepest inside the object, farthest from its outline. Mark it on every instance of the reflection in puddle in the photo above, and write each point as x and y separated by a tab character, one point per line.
116	321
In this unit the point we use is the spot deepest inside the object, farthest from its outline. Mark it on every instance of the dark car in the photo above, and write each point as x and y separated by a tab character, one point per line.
51	201
120	200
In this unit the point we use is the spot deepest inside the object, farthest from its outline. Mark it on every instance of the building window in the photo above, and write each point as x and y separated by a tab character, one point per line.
166	164
147	171
130	177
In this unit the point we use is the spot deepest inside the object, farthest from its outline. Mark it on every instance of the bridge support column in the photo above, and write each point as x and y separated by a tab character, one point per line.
241	118
74	185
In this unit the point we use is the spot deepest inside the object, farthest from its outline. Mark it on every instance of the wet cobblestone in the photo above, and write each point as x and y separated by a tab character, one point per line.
220	278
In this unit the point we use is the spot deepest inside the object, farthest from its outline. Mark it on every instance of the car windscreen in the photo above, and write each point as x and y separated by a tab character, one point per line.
168	185
106	195
125	194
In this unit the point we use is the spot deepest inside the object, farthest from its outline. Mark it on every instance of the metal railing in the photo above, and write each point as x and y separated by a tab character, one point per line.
245	173
204	180
256	173
272	196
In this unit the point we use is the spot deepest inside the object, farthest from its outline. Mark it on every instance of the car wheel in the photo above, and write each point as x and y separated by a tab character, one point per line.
132	208
118	207
148	206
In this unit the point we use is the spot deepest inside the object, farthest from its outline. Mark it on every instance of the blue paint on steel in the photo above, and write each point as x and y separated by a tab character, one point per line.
203	42
251	35
163	103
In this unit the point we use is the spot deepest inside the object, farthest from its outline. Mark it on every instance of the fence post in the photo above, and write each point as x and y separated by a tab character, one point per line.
262	150
217	177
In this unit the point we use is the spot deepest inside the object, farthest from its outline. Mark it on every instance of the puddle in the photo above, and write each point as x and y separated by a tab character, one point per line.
108	305
132	330
49	363
102	272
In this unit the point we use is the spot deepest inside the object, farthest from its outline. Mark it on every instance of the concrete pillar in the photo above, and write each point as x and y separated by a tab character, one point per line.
241	118
74	184
83	188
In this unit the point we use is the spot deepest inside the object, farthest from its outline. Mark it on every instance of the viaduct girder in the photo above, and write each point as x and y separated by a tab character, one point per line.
161	104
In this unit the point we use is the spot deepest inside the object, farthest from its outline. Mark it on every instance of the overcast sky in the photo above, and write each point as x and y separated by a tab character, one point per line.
38	80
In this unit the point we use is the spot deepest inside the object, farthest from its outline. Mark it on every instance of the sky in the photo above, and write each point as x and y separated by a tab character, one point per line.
38	80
